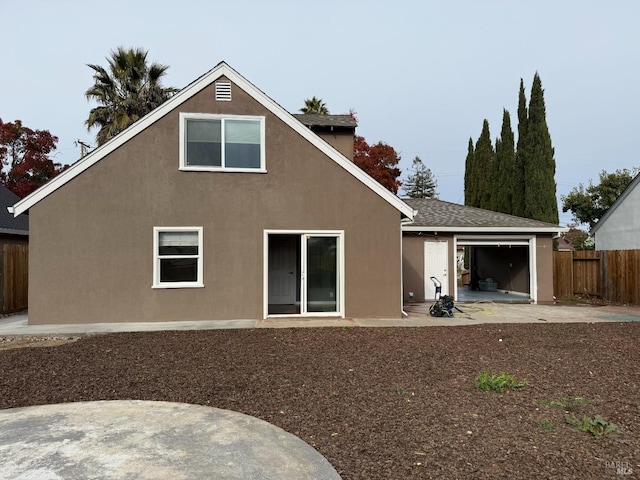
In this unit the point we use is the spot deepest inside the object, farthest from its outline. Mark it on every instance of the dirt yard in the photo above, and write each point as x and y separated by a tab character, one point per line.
388	403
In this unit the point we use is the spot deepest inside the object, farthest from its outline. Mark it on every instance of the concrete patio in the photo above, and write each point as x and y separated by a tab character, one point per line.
472	313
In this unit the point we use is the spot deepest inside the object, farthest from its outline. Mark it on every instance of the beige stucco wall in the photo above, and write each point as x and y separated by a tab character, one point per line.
413	265
92	240
341	141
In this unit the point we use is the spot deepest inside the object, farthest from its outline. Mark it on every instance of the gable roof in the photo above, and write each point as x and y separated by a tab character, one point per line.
8	223
625	193
437	215
220	70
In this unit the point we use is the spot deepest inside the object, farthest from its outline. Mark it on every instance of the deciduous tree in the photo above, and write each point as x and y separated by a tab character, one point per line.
588	204
380	161
25	156
420	183
578	238
125	91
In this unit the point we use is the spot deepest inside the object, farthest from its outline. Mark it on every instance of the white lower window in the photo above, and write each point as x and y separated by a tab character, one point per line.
177	257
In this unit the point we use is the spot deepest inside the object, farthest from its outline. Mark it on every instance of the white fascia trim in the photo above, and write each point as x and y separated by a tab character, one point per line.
495	240
533	270
554	230
222	69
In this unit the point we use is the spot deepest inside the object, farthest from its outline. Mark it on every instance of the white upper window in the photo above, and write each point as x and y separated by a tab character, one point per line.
221	143
177	257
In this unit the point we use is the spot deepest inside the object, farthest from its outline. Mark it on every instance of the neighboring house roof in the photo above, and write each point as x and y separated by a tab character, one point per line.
8	223
437	215
564	245
220	70
627	191
318	120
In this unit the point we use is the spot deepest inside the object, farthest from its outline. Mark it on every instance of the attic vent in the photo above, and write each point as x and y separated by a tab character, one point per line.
223	91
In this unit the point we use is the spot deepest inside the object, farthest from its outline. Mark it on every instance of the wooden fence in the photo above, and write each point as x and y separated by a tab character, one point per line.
15	278
613	275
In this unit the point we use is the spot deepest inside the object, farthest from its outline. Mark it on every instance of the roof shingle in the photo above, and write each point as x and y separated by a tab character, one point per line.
8	223
435	213
318	120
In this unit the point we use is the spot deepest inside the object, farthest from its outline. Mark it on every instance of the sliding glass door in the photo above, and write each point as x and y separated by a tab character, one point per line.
304	273
322	280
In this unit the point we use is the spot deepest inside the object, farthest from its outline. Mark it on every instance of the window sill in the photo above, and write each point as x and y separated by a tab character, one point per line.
223	170
163	286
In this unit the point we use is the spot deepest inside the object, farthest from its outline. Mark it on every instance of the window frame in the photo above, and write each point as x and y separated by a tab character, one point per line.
184	117
157	258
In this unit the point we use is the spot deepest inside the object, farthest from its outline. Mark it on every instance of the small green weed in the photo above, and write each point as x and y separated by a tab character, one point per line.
579	400
571	299
404	393
333	393
489	380
546	425
596	426
571	404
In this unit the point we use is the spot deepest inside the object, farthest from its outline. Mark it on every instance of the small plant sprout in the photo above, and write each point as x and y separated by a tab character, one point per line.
333	393
404	393
566	403
489	380
546	424
596	426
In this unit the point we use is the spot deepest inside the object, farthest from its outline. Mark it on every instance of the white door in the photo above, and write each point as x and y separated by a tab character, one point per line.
436	261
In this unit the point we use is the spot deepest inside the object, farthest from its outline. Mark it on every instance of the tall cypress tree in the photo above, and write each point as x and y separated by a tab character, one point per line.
540	166
504	168
483	159
470	197
518	174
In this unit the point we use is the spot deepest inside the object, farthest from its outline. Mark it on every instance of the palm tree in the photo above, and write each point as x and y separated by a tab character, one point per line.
315	105
125	92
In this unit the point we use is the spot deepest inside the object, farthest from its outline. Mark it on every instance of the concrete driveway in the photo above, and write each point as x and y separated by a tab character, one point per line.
418	316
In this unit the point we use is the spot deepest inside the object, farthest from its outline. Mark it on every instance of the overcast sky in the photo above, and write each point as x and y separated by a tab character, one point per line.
421	75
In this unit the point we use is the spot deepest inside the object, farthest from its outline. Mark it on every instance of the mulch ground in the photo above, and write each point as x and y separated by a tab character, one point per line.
387	403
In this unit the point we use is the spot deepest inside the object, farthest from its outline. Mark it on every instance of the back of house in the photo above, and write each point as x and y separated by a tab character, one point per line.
217	205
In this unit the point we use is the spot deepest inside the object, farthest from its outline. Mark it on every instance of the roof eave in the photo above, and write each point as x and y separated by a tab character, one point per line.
435	228
13	231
